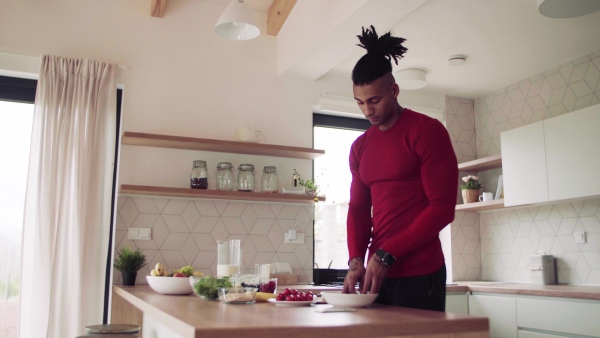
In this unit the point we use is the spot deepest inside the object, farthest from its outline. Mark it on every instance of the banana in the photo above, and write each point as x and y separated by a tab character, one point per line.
160	270
154	272
263	296
198	274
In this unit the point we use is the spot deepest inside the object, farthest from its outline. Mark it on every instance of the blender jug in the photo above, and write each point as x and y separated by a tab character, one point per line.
228	257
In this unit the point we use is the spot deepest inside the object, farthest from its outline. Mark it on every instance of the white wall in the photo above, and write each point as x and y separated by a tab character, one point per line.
180	79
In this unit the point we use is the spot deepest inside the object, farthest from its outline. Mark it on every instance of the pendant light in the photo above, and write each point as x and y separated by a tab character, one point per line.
411	79
237	22
567	9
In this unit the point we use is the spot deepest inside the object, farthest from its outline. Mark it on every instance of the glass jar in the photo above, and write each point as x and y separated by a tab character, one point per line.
224	176
245	178
199	175
269	181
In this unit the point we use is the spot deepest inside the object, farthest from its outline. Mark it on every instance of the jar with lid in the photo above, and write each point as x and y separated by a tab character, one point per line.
269	181
224	176
245	178
199	175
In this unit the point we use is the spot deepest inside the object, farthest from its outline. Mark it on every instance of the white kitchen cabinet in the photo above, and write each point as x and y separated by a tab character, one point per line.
524	165
531	334
457	303
501	311
559	315
552	160
573	154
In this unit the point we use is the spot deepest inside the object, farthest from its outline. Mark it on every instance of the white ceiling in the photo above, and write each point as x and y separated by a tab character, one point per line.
505	41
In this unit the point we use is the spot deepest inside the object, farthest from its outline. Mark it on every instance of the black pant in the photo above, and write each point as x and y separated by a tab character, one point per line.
427	292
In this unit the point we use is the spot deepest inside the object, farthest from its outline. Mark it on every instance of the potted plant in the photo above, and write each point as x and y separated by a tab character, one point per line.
470	189
311	186
129	262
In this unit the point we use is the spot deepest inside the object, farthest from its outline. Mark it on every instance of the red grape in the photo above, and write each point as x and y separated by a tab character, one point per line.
290	298
294	292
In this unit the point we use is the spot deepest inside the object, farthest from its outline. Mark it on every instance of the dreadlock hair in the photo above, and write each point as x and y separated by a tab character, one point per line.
378	60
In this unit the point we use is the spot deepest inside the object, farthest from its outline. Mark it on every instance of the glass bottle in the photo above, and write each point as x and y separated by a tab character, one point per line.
269	181
224	176
199	175
245	178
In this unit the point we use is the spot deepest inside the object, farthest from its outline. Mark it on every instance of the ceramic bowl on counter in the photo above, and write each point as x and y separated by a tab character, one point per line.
238	295
344	300
170	285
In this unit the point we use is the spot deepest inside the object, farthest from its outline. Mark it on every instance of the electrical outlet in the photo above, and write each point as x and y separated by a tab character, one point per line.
579	237
139	233
299	238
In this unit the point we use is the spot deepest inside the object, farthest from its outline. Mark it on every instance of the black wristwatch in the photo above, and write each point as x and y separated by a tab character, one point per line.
386	258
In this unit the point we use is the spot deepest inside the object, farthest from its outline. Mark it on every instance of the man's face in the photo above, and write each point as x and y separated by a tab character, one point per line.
377	101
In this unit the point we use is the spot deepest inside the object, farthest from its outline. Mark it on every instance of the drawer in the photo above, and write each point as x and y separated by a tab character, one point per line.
565	315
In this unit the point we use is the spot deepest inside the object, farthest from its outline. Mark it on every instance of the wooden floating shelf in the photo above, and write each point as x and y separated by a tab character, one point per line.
144	190
482	164
481	206
192	143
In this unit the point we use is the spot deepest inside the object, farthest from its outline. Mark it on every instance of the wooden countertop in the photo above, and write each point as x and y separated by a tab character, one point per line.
191	316
565	291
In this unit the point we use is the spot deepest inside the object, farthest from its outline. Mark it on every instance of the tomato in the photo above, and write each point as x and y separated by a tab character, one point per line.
290	298
287	291
294	292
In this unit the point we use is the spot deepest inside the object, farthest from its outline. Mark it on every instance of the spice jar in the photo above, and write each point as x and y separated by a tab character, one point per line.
269	181
224	176
245	178
199	175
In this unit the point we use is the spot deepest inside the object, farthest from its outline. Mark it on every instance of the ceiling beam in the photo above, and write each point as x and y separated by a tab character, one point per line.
278	13
158	8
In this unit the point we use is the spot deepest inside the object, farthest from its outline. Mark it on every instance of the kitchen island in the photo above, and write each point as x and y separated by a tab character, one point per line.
189	316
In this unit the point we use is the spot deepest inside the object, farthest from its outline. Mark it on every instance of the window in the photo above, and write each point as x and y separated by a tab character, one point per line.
335	135
16	120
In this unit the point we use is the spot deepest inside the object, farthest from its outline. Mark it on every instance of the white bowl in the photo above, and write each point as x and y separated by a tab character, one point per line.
170	285
338	299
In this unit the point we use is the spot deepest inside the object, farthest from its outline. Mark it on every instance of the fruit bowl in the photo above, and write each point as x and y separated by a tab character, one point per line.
338	299
170	285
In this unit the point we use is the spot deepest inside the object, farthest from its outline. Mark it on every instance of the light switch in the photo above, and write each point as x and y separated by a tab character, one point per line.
139	233
579	237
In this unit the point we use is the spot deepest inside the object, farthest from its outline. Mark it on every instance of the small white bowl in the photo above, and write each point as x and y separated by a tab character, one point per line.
170	285
341	300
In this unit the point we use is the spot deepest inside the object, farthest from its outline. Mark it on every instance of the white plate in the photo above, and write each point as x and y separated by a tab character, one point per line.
289	303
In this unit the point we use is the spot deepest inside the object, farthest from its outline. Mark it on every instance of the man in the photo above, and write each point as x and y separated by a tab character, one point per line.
403	192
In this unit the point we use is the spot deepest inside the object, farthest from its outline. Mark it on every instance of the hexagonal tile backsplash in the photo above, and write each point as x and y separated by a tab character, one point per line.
496	245
185	231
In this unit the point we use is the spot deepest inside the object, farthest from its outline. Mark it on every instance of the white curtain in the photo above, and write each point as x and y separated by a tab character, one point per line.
67	206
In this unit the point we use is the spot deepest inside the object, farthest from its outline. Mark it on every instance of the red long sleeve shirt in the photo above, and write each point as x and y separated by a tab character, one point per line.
408	174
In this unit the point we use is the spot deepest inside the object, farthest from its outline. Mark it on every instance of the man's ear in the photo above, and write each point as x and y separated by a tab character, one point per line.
395	90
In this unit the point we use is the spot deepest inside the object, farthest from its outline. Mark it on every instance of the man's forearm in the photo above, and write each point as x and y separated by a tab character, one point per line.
355	263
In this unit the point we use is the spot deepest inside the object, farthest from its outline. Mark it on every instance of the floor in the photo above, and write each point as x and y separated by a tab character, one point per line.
9	318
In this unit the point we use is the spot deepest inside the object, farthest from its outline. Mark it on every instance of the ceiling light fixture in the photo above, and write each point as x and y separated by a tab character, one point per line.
237	22
567	9
457	60
411	79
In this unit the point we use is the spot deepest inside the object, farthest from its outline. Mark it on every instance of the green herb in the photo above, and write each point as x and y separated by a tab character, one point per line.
208	286
130	261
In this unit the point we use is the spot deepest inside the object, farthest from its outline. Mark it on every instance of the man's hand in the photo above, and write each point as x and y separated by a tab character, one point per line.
374	276
356	273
